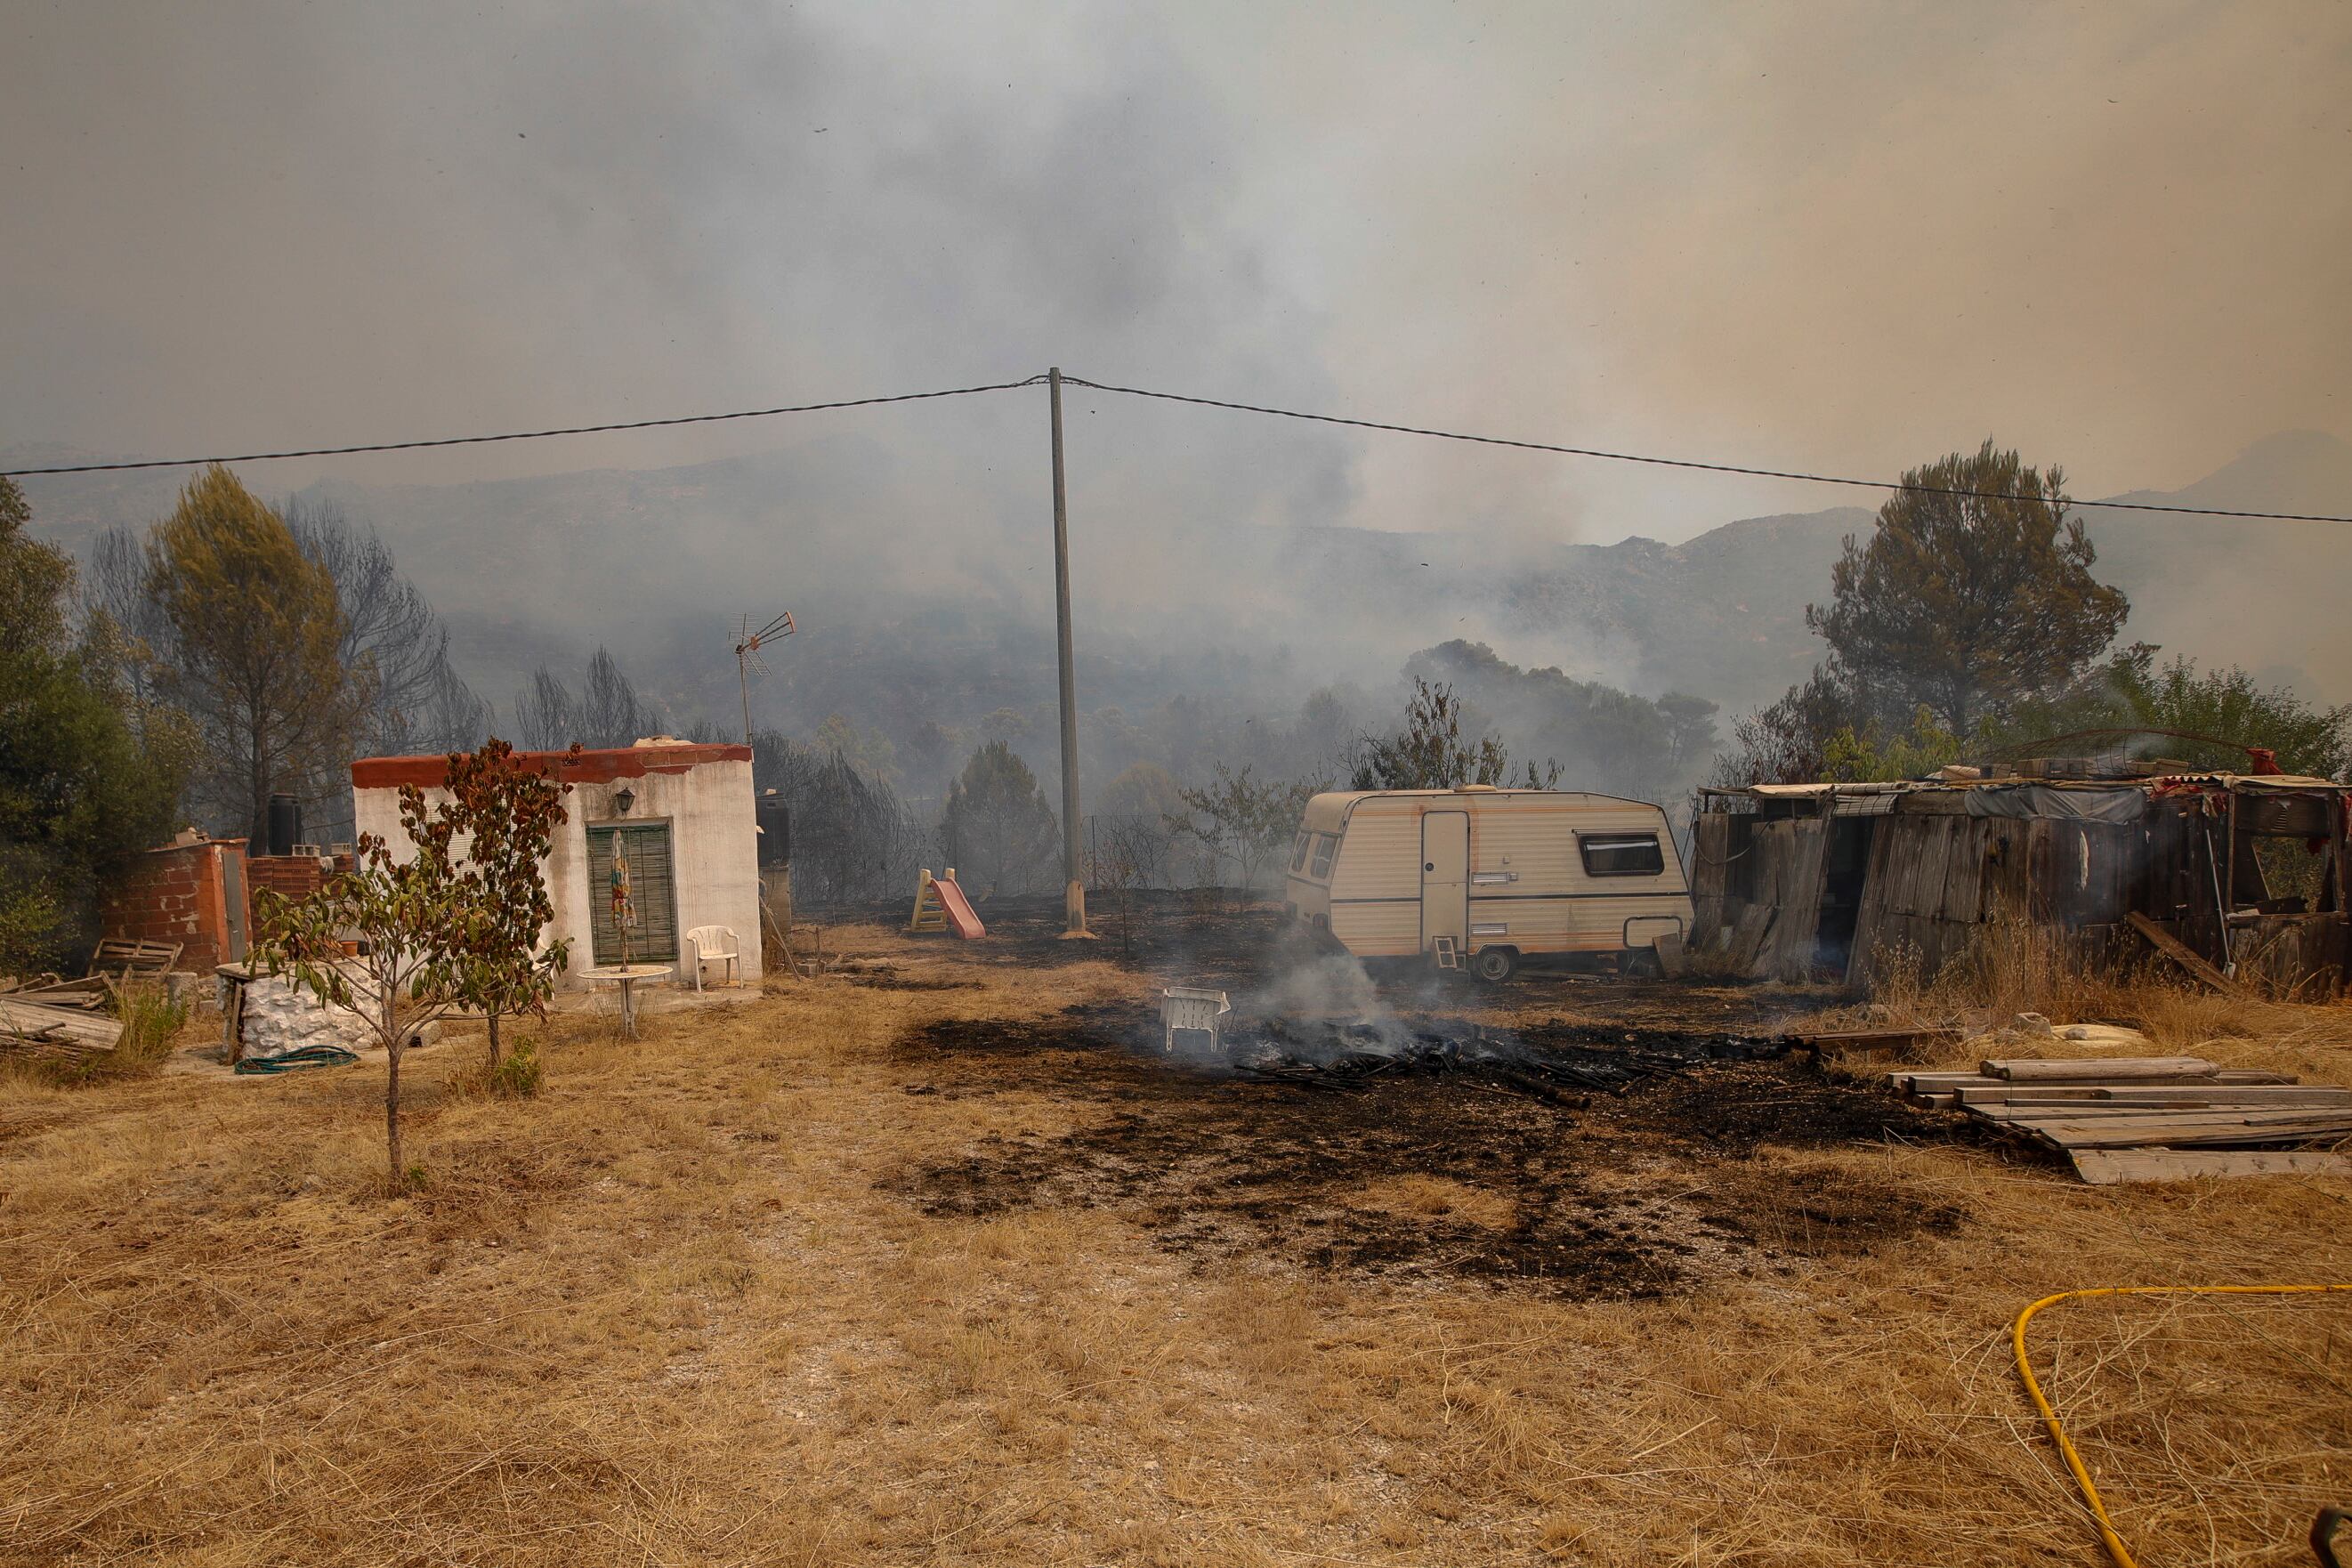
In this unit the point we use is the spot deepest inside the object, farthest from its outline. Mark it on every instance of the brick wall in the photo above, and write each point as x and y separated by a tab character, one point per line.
292	876
175	894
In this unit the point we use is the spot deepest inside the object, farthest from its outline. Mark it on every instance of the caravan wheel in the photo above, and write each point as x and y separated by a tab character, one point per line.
1494	965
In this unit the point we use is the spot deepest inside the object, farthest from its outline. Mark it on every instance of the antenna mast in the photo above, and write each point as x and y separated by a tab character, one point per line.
748	660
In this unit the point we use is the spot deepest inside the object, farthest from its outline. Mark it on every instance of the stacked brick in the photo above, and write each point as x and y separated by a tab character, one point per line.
191	893
296	876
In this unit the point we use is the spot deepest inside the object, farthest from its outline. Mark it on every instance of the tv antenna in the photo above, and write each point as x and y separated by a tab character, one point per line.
748	660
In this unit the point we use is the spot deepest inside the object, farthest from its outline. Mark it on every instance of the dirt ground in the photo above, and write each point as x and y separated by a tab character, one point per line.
938	1259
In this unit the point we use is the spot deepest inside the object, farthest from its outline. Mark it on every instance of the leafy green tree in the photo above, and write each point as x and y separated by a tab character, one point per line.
34	578
257	661
1966	603
1873	755
2228	705
79	791
507	813
414	931
2132	701
1000	834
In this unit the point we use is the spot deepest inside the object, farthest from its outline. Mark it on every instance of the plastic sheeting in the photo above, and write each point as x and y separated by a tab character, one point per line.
2042	800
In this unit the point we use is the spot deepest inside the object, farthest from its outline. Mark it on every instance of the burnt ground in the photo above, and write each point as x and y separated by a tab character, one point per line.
1645	1186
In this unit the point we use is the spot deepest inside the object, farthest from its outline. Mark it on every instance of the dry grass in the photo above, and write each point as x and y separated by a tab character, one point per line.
669	1311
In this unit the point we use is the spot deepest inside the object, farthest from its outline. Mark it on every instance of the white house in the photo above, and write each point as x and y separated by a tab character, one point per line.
681	814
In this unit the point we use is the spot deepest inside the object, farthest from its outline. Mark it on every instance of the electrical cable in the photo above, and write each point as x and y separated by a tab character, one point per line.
2114	1543
523	435
1687	462
1651	459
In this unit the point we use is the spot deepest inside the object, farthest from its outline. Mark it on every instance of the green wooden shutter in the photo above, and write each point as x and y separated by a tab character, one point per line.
652	889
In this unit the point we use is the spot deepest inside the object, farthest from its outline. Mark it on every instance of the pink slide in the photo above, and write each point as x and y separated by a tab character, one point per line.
957	909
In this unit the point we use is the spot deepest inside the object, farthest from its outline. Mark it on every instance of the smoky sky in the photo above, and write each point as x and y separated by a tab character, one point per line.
1840	237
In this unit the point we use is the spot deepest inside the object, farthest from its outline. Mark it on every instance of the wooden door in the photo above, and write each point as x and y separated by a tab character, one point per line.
1445	878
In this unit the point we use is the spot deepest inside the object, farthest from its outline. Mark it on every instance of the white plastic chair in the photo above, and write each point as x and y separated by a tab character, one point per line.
715	944
1190	1007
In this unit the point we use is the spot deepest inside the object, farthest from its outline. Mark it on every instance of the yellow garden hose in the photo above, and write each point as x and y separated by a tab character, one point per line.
2116	1548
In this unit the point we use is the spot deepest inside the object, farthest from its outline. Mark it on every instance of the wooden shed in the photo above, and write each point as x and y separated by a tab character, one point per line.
1828	880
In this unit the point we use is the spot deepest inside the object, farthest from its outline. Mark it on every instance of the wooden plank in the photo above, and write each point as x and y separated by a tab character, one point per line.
1797	927
2189	1130
1747	937
2253	1075
2103	1167
2155	1121
2097	1069
1936	1082
2250	1097
1673	961
28	1019
2165	942
1870	927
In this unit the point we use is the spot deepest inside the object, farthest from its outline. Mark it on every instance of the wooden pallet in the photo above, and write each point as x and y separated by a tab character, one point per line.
121	960
2124	1118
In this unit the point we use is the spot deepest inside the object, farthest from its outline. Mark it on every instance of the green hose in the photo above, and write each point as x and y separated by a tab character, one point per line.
307	1056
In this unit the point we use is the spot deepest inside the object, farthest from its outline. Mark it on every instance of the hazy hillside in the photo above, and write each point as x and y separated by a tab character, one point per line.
913	617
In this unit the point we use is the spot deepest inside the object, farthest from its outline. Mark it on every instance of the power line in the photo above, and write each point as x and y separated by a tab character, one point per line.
525	435
1685	462
1651	459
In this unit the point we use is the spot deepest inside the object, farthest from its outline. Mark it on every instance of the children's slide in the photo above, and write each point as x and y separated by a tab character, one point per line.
957	909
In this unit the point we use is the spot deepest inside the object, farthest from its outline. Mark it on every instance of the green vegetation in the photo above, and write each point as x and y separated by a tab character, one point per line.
507	815
1851	758
1246	820
256	632
1428	752
1000	834
1961	614
2132	694
80	790
150	1020
1966	603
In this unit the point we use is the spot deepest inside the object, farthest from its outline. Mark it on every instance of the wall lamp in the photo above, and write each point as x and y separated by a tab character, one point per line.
623	798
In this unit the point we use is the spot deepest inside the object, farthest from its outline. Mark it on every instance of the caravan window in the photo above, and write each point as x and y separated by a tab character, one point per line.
1299	851
1325	845
1620	854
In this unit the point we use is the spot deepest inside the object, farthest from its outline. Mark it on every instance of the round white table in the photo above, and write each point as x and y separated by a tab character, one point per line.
627	976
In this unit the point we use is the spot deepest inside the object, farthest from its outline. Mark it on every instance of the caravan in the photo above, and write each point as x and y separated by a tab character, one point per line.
1480	878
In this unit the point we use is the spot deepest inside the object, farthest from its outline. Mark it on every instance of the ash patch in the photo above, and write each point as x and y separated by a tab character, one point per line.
1735	1107
1644	1189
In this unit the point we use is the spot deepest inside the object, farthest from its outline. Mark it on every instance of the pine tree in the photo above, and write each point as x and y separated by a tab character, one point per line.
1968	603
998	827
257	634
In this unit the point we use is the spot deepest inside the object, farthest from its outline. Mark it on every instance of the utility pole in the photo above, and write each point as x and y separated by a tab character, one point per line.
1073	892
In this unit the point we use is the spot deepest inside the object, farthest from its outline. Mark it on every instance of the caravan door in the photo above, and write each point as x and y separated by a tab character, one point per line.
1445	878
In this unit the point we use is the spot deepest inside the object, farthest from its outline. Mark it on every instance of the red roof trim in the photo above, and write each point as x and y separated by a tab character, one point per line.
591	767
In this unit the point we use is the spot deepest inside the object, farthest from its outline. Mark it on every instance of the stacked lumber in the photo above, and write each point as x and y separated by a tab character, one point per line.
2123	1119
89	996
32	1028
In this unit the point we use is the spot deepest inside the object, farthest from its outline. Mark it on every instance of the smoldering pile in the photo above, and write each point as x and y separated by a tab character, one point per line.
1556	1063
